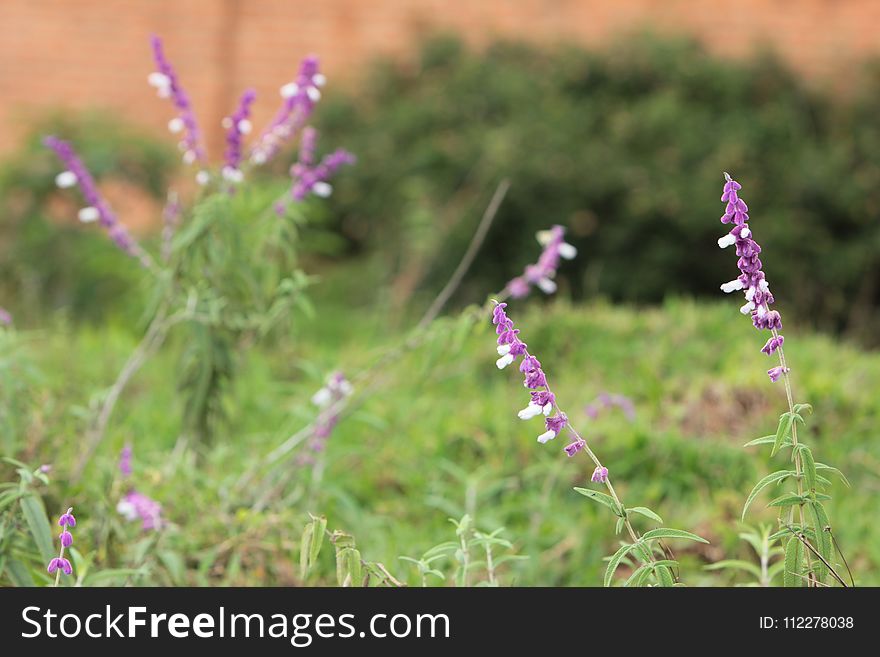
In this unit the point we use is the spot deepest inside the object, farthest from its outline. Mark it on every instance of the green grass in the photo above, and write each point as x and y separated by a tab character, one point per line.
437	436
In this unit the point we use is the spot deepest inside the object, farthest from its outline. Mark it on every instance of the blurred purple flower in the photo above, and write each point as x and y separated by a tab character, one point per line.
125	457
299	101
164	79
543	272
309	178
137	506
605	401
329	400
97	209
237	126
5	317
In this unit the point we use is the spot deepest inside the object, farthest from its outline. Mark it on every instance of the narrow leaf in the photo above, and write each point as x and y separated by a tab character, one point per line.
783	431
35	515
665	532
794	557
615	562
777	476
601	498
809	468
645	511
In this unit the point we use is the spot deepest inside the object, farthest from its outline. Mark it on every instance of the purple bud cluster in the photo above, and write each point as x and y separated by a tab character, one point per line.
97	209
237	126
310	178
543	272
329	400
752	280
60	563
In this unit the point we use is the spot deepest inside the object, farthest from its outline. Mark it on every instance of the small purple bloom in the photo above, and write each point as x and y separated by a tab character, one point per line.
67	519
543	272
309	178
573	448
775	372
600	475
66	538
5	317
772	344
62	563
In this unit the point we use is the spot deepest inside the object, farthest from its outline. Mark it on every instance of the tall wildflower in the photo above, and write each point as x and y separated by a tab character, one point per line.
543	403
97	209
543	272
60	564
167	85
809	532
298	101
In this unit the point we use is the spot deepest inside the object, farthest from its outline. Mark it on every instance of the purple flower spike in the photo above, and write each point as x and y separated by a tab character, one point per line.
300	97
66	538
600	475
543	272
125	457
67	519
752	281
309	178
62	563
97	209
167	86
237	126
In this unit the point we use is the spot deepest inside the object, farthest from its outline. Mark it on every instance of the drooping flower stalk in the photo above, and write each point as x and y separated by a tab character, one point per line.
543	401
299	99
60	564
167	85
753	282
543	272
97	209
237	126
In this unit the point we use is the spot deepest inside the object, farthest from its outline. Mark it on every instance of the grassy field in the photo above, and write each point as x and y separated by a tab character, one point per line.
434	435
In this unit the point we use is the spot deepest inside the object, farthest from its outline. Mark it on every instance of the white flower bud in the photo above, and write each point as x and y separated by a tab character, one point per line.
319	79
732	286
504	361
567	251
65	179
289	90
245	126
530	411
726	241
322	189
547	285
503	349
203	177
175	124
88	215
547	435
314	94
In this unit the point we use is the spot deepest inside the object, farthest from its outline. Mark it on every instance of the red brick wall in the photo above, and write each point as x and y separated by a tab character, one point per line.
94	53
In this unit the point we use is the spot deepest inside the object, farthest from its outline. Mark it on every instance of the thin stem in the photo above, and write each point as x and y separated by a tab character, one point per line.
468	258
794	443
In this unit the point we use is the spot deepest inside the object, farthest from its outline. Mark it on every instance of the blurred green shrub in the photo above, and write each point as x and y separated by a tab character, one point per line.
48	261
626	147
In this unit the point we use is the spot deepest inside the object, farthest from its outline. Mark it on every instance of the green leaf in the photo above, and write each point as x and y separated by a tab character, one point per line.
665	532
783	431
305	549
618	527
665	576
38	523
736	564
794	557
822	466
616	558
766	440
601	498
319	527
800	408
788	499
645	511
808	466
638	577
19	573
773	477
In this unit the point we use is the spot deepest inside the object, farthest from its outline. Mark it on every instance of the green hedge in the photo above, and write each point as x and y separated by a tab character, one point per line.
626	147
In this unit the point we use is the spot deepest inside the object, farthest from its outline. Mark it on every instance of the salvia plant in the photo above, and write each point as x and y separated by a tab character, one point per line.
227	269
810	559
769	554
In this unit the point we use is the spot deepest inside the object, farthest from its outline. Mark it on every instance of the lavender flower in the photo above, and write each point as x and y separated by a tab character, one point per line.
600	475
60	564
543	272
125	457
164	79
300	97
752	279
137	506
309	178
97	208
237	126
329	400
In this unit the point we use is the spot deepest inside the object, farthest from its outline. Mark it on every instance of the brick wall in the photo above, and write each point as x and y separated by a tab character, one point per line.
94	53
